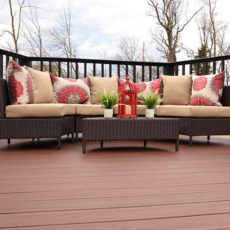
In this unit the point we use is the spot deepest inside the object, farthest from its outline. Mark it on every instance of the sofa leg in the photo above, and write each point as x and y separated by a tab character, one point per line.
59	143
190	140
177	144
8	141
72	137
208	138
101	144
83	146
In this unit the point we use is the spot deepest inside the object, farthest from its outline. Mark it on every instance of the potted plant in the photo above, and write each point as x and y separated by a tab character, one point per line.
151	100
109	100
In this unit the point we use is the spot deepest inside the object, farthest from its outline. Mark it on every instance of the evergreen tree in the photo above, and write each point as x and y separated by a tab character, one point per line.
203	53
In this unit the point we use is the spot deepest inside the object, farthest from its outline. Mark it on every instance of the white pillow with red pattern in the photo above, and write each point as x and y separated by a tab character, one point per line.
207	90
70	91
20	84
149	86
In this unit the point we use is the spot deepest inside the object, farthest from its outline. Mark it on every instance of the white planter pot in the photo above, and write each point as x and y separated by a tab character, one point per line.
149	113
108	113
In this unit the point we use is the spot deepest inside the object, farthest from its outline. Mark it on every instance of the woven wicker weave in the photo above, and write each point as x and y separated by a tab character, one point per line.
32	127
4	99
204	127
130	129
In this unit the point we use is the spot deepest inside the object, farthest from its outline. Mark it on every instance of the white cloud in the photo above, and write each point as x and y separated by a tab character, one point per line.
98	25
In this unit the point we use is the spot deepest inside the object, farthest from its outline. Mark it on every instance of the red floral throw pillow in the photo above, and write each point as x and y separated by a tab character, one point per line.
20	84
207	90
149	86
71	91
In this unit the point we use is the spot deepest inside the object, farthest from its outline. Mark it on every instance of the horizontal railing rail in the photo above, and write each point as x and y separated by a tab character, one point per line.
138	70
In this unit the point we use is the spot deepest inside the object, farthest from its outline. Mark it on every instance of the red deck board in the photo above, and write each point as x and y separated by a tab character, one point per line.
115	188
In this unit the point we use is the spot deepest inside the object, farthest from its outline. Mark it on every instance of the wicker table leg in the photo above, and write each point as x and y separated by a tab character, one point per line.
59	143
8	141
72	137
83	146
101	144
145	143
208	137
177	144
190	140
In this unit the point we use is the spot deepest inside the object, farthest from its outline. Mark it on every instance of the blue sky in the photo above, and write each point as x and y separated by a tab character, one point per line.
98	25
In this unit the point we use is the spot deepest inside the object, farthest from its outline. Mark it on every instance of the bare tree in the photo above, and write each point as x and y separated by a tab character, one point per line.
213	25
213	33
171	17
217	30
16	23
129	49
61	37
34	34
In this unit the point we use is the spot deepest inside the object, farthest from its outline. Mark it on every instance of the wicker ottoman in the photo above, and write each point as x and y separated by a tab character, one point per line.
117	129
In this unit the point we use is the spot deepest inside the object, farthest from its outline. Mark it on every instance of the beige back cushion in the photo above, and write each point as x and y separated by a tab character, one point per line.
43	89
97	86
177	90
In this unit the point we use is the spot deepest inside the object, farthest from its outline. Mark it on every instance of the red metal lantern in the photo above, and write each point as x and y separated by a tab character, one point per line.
127	105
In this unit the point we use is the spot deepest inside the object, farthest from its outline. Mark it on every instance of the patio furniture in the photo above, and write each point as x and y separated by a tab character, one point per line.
32	127
118	129
50	119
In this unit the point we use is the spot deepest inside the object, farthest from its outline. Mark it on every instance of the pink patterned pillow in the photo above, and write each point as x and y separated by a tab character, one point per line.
20	84
71	91
207	90
149	86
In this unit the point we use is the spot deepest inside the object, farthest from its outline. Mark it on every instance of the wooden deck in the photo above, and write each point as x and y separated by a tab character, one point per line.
115	188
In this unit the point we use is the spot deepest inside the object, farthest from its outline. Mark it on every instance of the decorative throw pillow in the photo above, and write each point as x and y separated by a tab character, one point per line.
20	84
71	91
43	89
99	84
207	90
149	87
177	90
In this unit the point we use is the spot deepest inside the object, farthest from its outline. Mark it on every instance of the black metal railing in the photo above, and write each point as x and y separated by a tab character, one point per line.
138	70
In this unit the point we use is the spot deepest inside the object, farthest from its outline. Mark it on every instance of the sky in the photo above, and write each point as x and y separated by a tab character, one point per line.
98	25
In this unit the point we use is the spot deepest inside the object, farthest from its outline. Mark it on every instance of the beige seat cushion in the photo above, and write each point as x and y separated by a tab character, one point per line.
140	110
89	109
177	90
192	111
97	86
39	110
43	89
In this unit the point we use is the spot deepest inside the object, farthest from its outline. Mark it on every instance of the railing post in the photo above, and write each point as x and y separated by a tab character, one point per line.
169	69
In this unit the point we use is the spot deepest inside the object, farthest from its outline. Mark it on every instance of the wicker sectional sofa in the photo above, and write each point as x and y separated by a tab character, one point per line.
50	120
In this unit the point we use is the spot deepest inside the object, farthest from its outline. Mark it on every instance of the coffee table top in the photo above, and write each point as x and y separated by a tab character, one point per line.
132	119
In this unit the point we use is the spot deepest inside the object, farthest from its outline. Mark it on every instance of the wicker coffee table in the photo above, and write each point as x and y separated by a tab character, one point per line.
117	129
